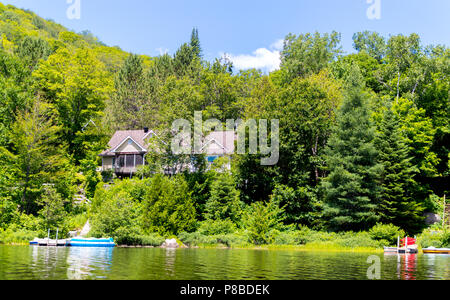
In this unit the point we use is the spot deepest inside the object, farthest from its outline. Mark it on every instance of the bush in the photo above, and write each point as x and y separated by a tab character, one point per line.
446	240
17	236
388	233
133	237
196	239
434	238
215	227
168	207
261	219
224	201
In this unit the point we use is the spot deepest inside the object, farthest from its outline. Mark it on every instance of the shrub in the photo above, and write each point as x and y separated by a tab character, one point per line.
17	236
446	240
196	239
433	238
132	237
224	201
214	227
168	207
261	219
386	232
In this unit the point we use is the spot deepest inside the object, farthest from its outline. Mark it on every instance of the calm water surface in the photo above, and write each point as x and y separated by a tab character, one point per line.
26	262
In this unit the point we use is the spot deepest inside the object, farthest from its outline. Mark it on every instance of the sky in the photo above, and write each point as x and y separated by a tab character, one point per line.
250	32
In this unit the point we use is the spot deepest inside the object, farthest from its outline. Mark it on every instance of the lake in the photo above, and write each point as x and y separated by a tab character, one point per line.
27	262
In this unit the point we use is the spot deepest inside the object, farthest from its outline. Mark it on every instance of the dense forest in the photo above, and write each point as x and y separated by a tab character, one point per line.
364	137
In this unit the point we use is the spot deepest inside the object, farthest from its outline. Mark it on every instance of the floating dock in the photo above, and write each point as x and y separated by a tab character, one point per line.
75	242
404	246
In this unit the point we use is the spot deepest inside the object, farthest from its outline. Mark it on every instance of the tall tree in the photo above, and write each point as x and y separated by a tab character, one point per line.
397	205
39	159
195	43
77	84
370	42
309	53
351	188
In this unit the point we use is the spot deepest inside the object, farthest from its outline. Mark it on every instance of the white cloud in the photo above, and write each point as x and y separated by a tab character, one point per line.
262	58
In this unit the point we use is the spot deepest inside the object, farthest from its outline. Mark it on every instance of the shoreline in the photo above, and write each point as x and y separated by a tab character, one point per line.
315	248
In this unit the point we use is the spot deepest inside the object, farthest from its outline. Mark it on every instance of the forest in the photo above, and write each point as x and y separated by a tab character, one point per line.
364	139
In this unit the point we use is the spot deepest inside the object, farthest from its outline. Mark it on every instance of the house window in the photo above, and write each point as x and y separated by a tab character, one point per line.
129	161
121	161
139	160
211	159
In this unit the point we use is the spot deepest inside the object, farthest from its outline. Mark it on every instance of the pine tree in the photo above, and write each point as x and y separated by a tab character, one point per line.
351	188
224	200
195	43
132	107
397	205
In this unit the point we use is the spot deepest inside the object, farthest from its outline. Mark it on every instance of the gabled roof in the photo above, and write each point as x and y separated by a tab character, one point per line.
224	139
121	136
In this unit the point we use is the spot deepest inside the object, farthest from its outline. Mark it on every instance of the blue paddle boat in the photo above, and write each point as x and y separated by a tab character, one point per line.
91	242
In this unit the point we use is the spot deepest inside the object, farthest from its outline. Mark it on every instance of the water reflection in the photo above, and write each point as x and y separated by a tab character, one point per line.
209	264
170	261
89	262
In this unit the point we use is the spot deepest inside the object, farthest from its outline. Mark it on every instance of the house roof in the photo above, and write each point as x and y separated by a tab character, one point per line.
223	139
121	136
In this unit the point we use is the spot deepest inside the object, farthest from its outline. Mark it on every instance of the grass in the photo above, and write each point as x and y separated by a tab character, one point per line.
318	247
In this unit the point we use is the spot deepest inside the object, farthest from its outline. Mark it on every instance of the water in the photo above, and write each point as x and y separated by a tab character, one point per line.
26	262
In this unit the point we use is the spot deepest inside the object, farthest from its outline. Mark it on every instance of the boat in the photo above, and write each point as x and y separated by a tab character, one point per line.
91	242
432	250
35	242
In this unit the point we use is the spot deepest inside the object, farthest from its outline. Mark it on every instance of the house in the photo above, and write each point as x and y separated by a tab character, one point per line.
128	148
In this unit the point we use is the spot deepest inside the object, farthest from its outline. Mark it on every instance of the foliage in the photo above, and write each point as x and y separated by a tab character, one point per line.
351	188
167	206
224	201
363	138
262	221
217	227
389	233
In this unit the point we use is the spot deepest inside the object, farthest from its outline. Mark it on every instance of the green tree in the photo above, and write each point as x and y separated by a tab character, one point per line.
370	42
224	201
39	159
351	189
195	43
33	49
397	204
262	219
309	53
77	84
131	106
168	207
52	211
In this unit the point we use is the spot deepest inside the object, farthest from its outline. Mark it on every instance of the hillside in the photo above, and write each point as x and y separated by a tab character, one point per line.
364	138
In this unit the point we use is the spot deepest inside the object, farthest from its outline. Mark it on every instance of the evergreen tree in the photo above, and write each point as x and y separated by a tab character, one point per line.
195	43
397	205
130	105
224	202
351	188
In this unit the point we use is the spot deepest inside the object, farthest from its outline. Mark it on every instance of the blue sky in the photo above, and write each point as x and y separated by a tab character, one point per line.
248	30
